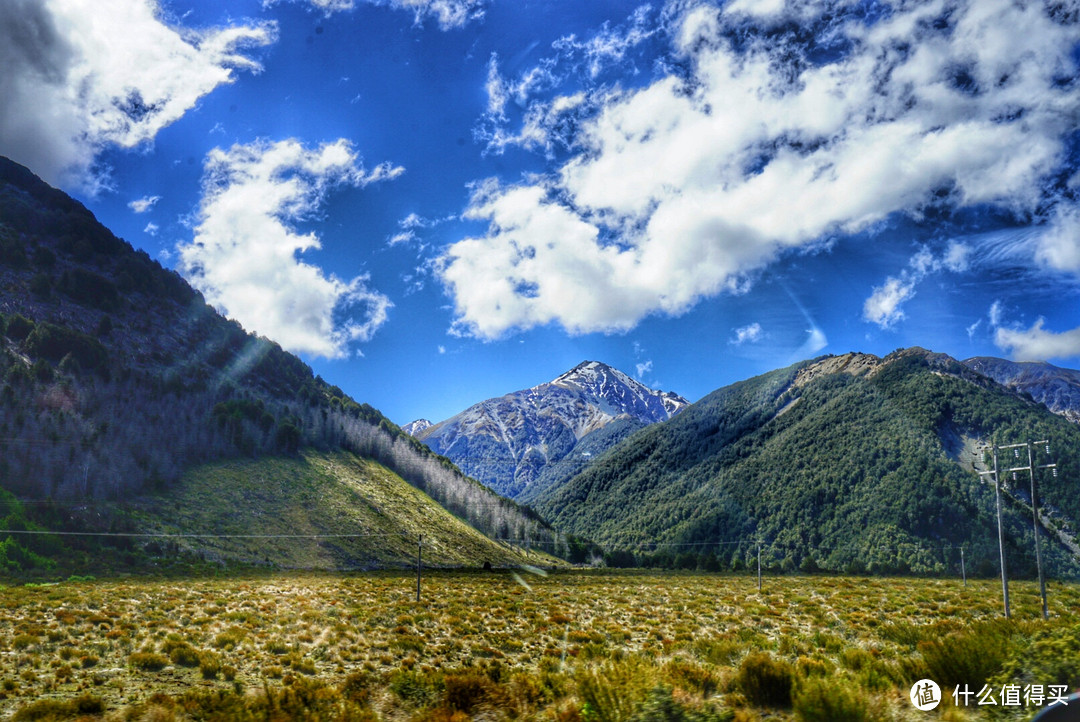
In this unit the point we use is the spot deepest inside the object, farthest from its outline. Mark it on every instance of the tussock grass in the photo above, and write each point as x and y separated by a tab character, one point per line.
585	646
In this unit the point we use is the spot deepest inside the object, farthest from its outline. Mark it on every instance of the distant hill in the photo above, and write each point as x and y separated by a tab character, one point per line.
1056	387
117	381
851	463
509	441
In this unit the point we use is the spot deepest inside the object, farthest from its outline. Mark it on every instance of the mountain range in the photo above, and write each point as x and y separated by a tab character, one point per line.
508	442
848	462
130	406
1057	388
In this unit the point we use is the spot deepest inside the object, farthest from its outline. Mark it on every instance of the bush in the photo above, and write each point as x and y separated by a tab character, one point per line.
53	343
209	665
823	699
465	692
765	681
90	288
19	328
148	661
971	656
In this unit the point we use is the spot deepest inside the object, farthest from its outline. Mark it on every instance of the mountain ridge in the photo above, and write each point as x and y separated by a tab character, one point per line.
118	380
848	463
507	441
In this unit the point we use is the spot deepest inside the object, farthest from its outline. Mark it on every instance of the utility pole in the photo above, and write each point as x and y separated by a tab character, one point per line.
419	550
1035	528
759	565
1001	536
1030	468
963	570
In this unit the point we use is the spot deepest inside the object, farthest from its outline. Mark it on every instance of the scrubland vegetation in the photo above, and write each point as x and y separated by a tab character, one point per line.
519	644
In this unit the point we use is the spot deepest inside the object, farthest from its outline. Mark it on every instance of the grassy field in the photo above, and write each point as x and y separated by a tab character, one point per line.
571	645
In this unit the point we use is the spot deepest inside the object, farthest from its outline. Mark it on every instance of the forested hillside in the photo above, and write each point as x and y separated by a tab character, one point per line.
116	377
845	463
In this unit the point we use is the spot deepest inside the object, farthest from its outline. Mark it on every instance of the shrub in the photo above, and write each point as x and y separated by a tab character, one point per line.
824	699
184	655
660	706
465	692
209	665
765	681
414	688
148	661
971	656
614	691
19	328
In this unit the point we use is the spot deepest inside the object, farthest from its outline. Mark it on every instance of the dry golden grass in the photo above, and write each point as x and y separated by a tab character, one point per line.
567	646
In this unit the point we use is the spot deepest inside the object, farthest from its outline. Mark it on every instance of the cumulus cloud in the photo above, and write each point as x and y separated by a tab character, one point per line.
246	256
644	367
151	229
144	204
1059	246
1038	344
80	76
750	333
884	305
447	13
750	149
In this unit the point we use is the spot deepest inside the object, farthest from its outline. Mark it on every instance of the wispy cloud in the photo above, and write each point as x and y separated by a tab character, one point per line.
245	256
144	204
80	77
751	333
447	13
673	195
884	307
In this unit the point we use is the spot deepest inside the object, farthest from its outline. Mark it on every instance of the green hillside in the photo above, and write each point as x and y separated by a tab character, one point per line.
365	515
846	463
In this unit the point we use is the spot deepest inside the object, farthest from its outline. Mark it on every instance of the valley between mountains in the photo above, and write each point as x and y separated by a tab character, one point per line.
131	407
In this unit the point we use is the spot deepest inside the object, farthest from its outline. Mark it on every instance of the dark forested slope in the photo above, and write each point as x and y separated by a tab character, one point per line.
116	377
846	463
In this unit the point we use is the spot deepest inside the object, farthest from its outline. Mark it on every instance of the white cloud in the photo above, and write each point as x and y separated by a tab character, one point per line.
245	256
447	13
884	305
684	187
995	313
1038	344
973	328
643	368
750	333
609	46
144	204
151	229
83	75
1059	246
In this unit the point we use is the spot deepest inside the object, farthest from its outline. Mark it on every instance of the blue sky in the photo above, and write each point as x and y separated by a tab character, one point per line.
438	201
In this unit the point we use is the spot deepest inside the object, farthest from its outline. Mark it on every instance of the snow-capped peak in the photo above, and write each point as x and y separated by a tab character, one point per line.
415	427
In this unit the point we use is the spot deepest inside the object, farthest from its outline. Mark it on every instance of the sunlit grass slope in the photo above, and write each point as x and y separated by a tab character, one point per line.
260	511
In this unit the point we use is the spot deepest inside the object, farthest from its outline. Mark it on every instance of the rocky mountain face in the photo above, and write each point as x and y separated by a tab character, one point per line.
507	442
1058	388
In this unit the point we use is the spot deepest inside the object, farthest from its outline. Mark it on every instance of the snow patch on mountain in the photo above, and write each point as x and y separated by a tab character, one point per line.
505	442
